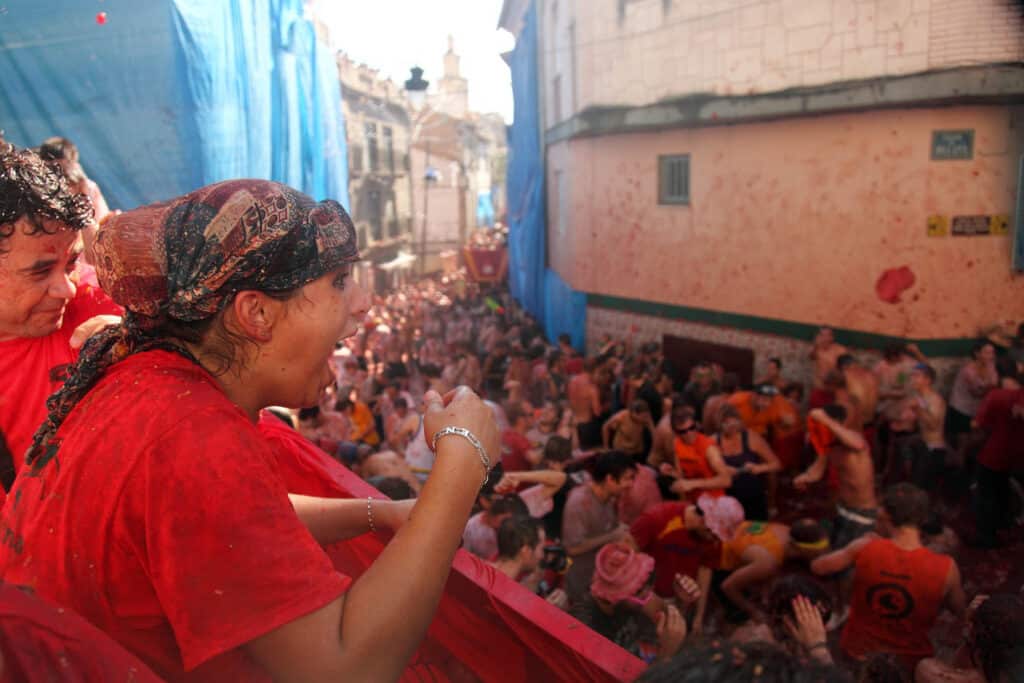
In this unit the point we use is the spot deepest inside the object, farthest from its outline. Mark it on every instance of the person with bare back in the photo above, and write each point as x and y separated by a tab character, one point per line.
585	400
824	353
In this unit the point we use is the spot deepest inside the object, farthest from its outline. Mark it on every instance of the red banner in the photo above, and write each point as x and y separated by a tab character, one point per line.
487	627
486	265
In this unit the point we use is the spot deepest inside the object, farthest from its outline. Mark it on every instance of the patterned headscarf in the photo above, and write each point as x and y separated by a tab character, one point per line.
186	259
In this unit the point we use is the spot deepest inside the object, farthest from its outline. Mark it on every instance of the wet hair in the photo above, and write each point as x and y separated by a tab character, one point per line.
844	361
639	406
978	346
784	591
309	414
807	530
401	403
927	370
1006	368
394	488
514	411
728	412
516	532
906	505
997	638
794	388
730	383
776	361
612	464
682	414
883	668
722	661
63	150
893	352
504	505
558	449
36	189
836	411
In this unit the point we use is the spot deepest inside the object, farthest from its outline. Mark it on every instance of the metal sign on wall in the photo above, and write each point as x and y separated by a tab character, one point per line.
948	145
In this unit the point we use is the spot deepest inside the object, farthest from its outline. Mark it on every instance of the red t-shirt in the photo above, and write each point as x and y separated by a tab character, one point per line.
894	601
38	640
1002	413
514	447
164	521
33	368
661	533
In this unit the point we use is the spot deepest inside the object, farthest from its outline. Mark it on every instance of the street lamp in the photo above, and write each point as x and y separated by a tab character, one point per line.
416	90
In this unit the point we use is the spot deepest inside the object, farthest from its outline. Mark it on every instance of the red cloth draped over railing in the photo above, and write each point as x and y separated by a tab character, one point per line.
487	627
486	265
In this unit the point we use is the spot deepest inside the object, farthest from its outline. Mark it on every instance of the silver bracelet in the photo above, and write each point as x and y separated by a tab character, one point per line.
469	436
369	513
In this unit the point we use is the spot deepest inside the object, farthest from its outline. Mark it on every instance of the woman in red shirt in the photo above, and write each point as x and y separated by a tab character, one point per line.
152	504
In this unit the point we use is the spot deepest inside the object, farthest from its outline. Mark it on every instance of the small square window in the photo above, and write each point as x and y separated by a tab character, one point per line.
674	179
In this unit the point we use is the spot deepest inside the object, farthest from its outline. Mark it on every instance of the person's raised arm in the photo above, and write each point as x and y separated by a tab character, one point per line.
850	438
551	480
841	559
343	640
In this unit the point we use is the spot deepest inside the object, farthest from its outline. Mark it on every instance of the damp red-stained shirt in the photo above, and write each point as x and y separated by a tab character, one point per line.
38	639
164	521
34	367
1002	414
661	533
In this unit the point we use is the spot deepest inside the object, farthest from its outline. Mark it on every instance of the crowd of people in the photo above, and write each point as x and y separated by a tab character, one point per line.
717	528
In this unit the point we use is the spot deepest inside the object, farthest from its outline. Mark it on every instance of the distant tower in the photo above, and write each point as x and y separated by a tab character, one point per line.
453	89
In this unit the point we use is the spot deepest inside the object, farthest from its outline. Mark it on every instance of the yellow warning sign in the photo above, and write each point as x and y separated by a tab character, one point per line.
999	225
938	226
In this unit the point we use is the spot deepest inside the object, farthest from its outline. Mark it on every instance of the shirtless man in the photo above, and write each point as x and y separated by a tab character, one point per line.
585	401
847	452
929	409
624	431
825	353
862	385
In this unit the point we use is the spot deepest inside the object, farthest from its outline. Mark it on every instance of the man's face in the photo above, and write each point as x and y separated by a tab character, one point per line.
622	484
918	380
535	555
685	430
38	278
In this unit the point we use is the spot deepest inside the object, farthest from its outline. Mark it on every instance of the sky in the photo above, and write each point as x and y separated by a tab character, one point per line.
395	35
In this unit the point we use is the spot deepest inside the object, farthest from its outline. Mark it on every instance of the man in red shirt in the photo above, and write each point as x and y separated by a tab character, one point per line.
1002	415
517	454
899	586
686	539
41	226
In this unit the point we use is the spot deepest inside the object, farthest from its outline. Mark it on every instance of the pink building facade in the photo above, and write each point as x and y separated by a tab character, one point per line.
741	173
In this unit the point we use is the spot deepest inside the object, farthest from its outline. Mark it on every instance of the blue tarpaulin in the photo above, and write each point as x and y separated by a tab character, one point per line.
538	289
164	96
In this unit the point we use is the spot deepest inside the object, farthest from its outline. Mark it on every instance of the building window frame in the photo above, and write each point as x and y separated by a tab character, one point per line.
371	146
674	179
389	148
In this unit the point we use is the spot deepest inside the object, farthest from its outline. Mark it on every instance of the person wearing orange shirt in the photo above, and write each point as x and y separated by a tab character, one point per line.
699	467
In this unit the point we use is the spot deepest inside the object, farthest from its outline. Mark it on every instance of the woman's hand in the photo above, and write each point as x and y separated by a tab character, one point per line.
90	327
686	589
390	514
462	408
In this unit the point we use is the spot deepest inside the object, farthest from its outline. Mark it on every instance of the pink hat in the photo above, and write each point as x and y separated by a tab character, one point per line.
722	514
620	572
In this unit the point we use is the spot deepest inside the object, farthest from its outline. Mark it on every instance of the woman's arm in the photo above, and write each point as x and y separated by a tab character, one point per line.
370	633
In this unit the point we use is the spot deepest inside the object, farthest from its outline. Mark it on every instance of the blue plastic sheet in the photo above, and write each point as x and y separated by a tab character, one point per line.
170	95
538	289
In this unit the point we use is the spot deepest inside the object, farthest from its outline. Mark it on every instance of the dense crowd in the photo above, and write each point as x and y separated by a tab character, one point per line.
719	529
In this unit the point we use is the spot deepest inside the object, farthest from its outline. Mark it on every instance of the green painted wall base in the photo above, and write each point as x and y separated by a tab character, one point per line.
783	328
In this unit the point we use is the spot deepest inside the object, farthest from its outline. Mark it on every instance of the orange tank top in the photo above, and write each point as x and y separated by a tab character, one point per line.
752	533
693	463
895	600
